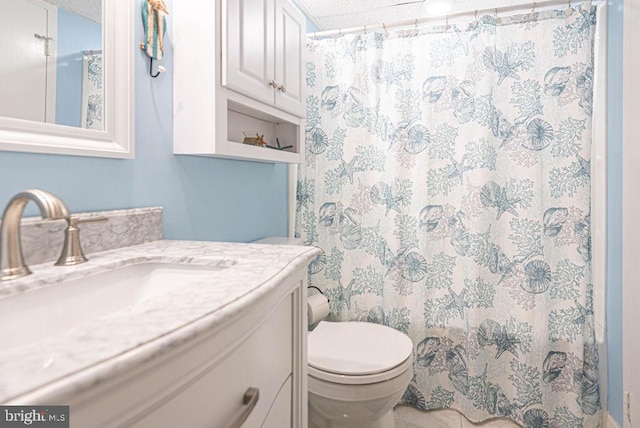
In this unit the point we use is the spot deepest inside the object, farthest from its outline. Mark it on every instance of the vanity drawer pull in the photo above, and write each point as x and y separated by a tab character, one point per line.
249	402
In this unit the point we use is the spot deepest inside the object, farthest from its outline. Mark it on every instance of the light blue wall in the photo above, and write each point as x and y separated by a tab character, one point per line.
204	199
311	26
75	34
614	210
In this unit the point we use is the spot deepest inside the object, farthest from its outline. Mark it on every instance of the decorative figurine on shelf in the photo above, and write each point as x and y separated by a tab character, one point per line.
279	146
254	139
260	140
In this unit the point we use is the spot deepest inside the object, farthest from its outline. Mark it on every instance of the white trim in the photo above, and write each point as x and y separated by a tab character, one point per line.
599	194
52	60
117	141
599	169
291	200
630	203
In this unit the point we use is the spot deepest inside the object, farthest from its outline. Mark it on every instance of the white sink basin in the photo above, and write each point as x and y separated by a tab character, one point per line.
54	310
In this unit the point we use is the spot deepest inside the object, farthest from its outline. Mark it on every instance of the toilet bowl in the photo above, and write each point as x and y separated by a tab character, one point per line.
357	373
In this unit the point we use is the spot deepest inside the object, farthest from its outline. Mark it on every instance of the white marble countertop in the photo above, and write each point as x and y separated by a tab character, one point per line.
102	347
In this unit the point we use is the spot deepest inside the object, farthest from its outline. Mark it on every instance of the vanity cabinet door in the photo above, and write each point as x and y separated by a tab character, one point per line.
280	414
248	44
290	50
214	398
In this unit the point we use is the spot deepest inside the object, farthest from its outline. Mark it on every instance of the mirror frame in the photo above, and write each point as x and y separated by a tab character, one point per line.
117	139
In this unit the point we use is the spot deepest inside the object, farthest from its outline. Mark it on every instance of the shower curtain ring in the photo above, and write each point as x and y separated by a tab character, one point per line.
533	9
475	16
415	24
365	29
446	24
495	14
315	35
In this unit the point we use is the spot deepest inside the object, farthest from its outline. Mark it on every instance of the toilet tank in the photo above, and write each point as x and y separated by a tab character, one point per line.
279	240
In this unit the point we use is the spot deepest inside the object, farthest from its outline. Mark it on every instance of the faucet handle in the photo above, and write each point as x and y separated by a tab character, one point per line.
71	249
76	220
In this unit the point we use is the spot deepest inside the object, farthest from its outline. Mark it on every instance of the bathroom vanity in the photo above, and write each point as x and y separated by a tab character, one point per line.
163	334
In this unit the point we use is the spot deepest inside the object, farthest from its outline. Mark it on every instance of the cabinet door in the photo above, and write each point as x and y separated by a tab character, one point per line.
290	57
248	48
214	398
280	413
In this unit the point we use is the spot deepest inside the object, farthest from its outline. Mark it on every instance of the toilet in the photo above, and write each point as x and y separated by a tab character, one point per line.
358	372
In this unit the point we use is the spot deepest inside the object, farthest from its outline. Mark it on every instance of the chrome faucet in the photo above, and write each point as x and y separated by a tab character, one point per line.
11	260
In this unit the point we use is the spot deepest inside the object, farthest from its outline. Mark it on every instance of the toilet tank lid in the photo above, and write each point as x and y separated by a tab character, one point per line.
357	348
279	240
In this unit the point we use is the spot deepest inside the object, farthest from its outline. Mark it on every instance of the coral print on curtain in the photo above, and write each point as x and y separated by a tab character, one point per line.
447	181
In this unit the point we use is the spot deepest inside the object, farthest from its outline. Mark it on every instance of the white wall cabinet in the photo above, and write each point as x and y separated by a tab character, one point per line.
244	75
263	53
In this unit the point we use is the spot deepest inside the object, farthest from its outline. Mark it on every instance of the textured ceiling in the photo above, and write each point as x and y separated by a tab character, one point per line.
336	14
90	9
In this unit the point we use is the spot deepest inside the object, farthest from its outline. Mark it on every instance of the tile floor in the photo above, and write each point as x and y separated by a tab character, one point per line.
408	417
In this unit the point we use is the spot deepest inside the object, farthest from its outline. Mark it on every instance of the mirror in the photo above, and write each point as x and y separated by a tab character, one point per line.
66	77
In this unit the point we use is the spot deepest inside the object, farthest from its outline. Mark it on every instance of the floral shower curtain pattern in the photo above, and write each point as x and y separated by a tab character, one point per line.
447	181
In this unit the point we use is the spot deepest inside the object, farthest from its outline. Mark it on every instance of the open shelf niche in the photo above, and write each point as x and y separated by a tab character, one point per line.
242	118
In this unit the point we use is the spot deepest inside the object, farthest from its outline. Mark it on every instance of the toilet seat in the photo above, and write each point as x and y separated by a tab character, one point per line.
357	352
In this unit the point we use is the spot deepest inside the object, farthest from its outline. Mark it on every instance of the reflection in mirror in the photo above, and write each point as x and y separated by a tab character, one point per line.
51	62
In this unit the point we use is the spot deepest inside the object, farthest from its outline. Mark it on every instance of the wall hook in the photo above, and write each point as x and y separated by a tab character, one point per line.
161	69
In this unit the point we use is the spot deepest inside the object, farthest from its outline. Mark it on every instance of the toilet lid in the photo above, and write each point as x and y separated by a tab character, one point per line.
357	348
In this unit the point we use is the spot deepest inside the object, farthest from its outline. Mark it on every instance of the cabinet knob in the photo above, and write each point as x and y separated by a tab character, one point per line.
274	84
282	88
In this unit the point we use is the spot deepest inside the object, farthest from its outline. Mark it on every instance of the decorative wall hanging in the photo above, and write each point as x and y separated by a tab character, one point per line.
155	26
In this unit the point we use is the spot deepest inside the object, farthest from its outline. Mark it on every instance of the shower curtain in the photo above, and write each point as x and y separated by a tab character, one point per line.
447	182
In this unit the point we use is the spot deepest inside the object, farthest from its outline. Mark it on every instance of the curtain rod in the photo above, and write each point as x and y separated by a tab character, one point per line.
474	13
92	52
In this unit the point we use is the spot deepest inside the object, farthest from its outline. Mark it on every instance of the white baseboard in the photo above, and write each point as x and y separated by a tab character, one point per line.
611	423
